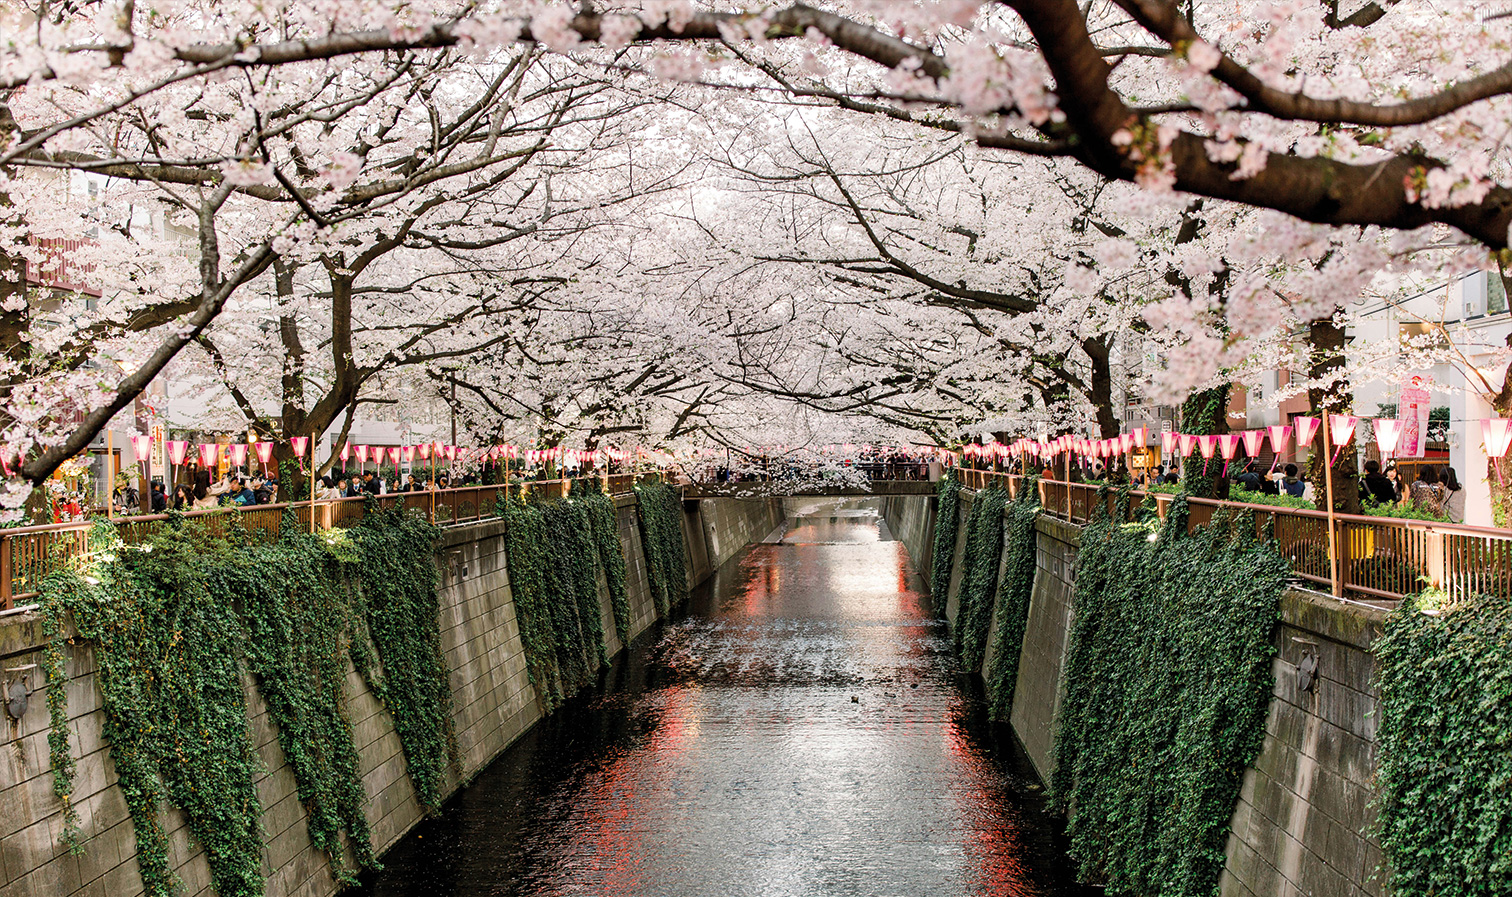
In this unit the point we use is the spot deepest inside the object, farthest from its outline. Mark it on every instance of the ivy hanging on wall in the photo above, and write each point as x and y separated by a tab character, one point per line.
298	626
1445	747
611	554
553	550
1015	587
175	713
943	555
661	534
979	575
173	623
1167	680
400	607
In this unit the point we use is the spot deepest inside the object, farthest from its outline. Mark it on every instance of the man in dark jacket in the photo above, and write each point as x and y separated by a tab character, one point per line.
1376	486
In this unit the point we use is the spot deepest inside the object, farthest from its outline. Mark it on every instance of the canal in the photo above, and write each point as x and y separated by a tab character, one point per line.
800	728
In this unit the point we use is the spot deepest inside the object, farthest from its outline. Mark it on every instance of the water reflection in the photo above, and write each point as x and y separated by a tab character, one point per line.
802	731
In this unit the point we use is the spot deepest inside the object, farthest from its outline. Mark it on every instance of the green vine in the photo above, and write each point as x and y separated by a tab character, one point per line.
1015	587
1445	747
552	553
175	620
942	558
1204	413
979	574
611	554
1167	681
298	625
661	534
175	712
400	606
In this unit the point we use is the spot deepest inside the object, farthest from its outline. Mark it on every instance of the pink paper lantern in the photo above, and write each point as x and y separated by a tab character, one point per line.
1253	439
1279	437
1126	443
424	449
1188	442
265	451
209	452
362	453
297	443
1496	433
1168	442
238	453
1307	427
1388	430
408	454
451	453
1207	444
393	454
178	449
346	452
142	447
1228	444
1341	428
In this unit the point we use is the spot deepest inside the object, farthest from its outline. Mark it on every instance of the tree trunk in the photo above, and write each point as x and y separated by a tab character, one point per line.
1205	413
1325	341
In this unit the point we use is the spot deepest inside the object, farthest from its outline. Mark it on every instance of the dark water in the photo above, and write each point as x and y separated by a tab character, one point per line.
801	731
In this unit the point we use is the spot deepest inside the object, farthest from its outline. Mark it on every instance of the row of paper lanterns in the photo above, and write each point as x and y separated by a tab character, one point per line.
1496	435
210	453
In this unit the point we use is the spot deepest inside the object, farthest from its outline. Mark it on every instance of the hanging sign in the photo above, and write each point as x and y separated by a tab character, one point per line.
1412	411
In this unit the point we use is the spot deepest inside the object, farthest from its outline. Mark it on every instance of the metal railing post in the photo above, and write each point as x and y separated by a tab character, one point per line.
6	573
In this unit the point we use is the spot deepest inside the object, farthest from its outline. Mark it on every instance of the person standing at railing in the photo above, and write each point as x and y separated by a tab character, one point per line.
159	498
1376	486
1454	494
1428	493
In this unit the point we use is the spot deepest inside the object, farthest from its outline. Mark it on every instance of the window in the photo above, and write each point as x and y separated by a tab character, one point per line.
1496	293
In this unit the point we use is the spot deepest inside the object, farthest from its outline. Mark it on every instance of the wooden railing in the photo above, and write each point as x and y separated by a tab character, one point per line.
1379	558
29	553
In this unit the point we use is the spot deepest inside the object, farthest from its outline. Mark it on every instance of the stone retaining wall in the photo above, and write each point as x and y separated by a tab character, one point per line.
493	702
1304	815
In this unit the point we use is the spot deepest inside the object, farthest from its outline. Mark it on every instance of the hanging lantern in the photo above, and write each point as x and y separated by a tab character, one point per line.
1496	433
408	454
394	454
346	452
1388	430
1341	429
238	453
424	449
1307	427
1228	445
1253	440
141	446
362	453
1188	443
451	453
298	444
1208	444
209	452
1279	437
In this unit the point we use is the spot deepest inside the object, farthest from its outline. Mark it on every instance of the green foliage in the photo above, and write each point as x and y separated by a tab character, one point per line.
611	554
946	520
1202	414
1403	511
1020	549
292	484
661	534
175	621
298	625
399	604
1251	497
1167	681
175	712
552	552
979	569
1445	750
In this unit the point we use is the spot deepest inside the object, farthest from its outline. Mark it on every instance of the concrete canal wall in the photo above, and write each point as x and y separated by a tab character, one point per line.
1304	814
492	700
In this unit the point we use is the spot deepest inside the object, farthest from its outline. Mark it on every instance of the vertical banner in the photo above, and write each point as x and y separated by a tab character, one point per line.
1412	411
159	453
